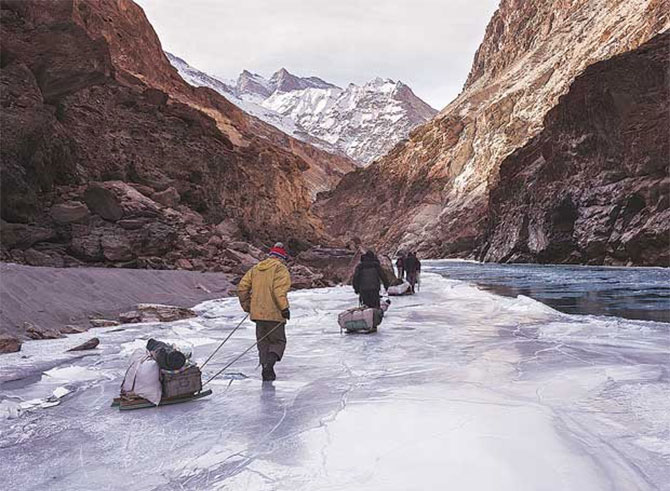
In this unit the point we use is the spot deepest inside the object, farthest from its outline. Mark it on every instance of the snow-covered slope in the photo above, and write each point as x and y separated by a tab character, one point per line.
362	122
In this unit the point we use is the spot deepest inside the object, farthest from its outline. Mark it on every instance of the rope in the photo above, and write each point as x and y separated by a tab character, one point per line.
243	353
224	341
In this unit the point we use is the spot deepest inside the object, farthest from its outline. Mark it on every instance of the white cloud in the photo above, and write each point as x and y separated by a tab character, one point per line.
428	44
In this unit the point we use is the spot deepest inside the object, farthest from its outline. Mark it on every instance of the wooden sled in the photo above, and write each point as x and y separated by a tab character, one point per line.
127	403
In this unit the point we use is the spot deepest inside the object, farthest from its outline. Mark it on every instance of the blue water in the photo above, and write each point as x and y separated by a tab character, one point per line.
632	293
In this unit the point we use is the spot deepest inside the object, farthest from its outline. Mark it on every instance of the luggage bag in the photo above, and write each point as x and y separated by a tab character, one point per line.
360	319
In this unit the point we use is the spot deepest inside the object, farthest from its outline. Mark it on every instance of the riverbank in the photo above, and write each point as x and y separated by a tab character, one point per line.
53	298
459	386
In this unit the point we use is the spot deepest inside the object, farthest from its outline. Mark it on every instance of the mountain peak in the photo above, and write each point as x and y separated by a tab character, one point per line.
284	81
359	121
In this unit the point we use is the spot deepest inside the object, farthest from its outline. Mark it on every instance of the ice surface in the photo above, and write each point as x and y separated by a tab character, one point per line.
460	389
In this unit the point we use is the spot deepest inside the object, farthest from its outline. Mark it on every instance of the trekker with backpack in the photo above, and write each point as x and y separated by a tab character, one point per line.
368	279
413	269
263	294
400	264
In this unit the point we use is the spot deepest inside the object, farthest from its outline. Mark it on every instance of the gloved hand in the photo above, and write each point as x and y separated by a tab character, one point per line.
286	314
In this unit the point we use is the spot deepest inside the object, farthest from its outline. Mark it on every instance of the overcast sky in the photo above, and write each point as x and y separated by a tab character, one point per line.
428	44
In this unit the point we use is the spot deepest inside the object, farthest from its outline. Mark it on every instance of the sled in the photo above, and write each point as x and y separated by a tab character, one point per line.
359	331
128	403
362	320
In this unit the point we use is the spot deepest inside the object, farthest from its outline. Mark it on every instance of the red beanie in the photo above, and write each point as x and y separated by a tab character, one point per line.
279	251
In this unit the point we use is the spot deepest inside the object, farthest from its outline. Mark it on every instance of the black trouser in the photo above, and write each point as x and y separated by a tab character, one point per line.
411	278
273	343
370	298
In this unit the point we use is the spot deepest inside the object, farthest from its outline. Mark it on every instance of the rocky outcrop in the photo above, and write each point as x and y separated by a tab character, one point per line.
336	263
592	186
146	312
87	345
431	193
9	344
110	158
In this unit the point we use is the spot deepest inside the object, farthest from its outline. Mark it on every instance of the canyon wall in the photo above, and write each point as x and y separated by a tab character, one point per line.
593	185
110	158
431	193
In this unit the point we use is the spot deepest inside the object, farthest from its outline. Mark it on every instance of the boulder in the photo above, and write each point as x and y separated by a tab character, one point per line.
85	244
116	247
37	332
170	197
198	264
113	200
183	263
256	253
130	317
215	241
70	212
104	202
9	344
23	236
239	246
70	329
157	239
244	261
336	264
38	258
304	277
156	313
90	344
145	190
103	323
229	229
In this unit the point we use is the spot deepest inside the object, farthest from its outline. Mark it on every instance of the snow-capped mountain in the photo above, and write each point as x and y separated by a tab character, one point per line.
362	122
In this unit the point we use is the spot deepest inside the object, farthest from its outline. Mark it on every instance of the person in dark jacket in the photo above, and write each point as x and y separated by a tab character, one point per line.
400	264
413	268
368	278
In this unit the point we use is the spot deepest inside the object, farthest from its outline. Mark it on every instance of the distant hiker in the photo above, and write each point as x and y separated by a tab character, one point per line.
400	264
262	292
368	278
413	269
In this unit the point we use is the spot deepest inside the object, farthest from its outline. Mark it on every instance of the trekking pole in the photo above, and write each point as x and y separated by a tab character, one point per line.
224	341
243	353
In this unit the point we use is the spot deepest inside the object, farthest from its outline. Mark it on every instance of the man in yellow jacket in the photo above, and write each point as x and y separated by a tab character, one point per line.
262	293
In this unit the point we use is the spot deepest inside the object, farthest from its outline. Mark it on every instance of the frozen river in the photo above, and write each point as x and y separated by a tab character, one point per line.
460	389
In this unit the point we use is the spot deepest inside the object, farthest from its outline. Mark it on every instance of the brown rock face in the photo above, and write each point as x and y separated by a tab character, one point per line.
9	344
431	193
108	155
592	187
147	312
338	264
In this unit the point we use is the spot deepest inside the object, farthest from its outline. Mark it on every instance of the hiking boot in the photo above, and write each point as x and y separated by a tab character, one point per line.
268	372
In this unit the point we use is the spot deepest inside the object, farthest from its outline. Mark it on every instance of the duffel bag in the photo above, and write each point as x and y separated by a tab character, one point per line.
360	319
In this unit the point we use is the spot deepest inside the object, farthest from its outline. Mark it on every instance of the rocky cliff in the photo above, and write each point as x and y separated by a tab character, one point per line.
110	158
593	185
432	192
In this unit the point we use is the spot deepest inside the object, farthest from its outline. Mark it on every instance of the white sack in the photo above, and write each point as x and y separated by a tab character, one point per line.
399	289
143	377
358	319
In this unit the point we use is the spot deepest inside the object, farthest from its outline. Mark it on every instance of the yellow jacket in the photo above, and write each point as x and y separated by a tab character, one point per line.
262	291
